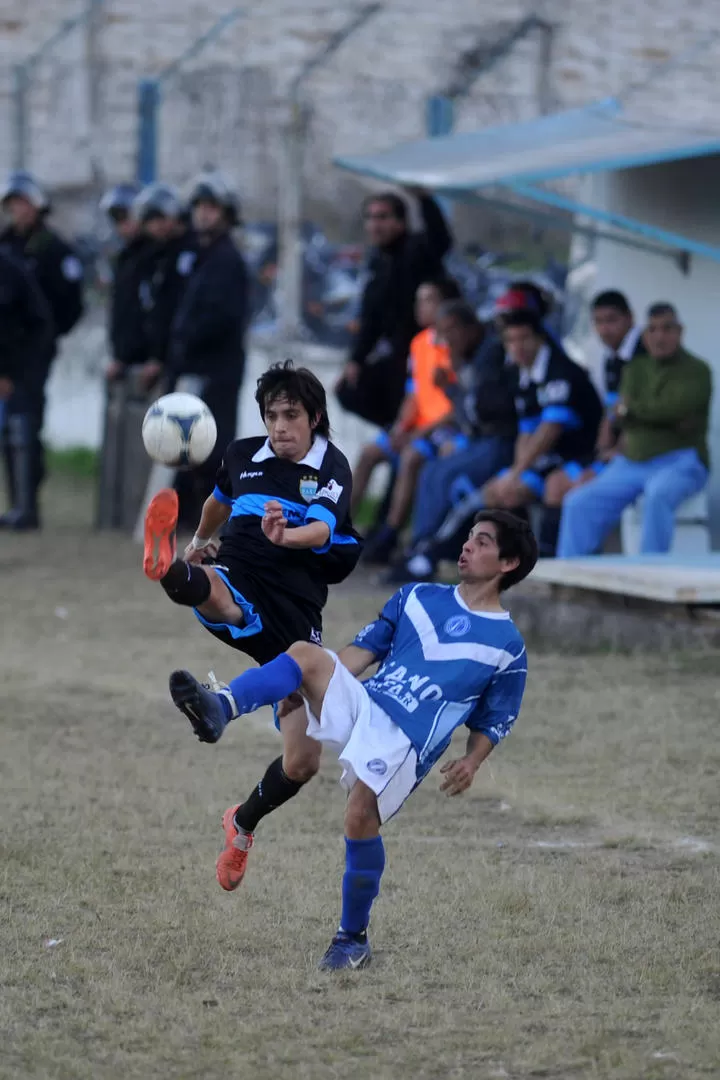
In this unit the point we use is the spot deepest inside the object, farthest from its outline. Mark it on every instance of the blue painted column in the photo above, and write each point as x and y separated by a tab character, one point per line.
439	120
147	149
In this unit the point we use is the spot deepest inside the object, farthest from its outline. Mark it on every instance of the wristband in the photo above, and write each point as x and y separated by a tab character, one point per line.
198	542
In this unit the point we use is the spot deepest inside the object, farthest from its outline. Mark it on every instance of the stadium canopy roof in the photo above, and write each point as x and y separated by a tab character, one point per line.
519	157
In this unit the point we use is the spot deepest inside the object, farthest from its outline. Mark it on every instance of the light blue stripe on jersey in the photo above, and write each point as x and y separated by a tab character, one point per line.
254	506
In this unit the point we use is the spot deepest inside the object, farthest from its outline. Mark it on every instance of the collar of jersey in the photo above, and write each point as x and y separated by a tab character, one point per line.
313	459
538	372
483	614
627	345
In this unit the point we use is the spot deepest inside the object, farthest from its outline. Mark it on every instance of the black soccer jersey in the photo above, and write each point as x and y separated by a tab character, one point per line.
318	488
557	390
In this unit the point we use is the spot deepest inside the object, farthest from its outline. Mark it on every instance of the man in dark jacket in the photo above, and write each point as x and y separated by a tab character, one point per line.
59	274
373	381
131	264
208	331
26	334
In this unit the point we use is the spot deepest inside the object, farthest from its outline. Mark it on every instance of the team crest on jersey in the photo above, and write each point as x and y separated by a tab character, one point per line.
457	625
308	487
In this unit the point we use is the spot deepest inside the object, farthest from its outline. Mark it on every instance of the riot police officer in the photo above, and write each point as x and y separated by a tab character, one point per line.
26	332
131	264
59	274
208	333
162	217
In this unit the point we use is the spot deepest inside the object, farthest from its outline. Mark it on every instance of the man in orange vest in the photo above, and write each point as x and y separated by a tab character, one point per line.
418	432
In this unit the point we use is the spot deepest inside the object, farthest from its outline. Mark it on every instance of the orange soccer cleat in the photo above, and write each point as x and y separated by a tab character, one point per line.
232	860
160	525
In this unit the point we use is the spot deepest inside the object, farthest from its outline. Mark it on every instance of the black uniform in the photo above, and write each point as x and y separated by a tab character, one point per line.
163	287
208	340
59	274
557	390
26	332
387	316
127	331
282	592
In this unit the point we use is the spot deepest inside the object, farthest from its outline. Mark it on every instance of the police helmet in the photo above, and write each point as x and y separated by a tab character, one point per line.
211	186
118	200
157	200
27	187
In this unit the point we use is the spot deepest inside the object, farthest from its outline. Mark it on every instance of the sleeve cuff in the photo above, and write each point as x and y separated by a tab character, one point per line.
561	414
221	496
316	512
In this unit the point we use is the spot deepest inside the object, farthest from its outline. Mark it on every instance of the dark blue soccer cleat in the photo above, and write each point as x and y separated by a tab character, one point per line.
347	952
201	704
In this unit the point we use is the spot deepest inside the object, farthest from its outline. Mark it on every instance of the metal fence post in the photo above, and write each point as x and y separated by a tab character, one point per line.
148	108
20	118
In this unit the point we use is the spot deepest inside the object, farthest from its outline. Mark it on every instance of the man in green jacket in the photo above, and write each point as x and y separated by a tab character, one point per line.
663	414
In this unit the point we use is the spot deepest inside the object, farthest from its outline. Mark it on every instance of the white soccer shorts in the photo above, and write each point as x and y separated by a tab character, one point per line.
370	746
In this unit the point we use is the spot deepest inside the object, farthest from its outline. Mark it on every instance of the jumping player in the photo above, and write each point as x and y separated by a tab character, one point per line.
448	656
283	505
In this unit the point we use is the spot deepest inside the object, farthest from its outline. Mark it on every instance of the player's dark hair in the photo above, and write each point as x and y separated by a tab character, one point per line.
447	288
662	308
515	540
394	203
524	317
299	385
614	299
460	311
541	301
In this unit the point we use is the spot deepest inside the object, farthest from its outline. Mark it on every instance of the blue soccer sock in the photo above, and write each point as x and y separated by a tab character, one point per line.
263	686
364	865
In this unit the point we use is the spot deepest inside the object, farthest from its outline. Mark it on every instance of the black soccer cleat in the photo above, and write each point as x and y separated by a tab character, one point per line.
200	704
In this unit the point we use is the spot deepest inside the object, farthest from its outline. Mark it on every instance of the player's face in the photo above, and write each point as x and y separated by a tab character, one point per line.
662	336
289	428
522	345
480	559
611	326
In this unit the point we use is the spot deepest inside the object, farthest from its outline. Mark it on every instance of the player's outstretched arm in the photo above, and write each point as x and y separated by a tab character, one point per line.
460	774
213	517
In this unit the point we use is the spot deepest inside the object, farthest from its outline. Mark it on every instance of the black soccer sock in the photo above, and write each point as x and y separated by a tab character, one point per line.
187	585
274	789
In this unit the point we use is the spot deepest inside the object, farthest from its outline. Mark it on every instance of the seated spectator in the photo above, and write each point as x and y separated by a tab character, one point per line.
484	412
558	413
663	413
412	439
621	339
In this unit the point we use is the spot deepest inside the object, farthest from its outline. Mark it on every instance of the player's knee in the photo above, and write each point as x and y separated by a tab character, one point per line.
362	819
371	455
411	459
306	655
301	762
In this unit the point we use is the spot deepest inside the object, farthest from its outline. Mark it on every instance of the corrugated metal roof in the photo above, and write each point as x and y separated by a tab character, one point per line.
591	139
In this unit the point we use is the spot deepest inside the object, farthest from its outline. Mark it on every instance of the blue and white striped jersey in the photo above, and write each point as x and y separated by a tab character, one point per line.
443	665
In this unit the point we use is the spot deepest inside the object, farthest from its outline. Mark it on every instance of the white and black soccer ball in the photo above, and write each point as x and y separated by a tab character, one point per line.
179	430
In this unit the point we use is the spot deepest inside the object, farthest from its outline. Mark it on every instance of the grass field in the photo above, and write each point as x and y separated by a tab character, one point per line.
561	920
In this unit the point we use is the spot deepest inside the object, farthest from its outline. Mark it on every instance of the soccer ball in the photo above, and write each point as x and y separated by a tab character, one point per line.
179	430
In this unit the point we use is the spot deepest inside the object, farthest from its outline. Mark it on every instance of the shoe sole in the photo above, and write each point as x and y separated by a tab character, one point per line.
185	695
160	525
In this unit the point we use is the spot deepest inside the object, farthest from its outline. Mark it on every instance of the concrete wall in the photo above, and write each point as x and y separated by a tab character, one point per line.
681	197
227	104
